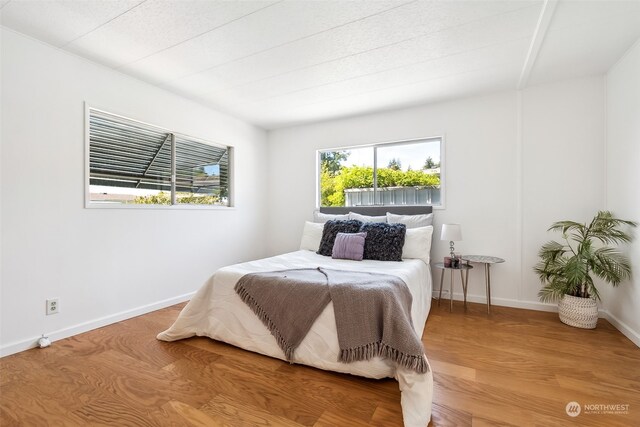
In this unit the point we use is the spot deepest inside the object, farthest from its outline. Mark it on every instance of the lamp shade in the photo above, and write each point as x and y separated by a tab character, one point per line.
451	232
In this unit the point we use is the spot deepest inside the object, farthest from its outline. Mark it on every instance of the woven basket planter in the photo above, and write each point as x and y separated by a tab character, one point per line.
578	312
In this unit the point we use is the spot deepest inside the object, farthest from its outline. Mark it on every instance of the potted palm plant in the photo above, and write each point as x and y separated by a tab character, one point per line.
567	269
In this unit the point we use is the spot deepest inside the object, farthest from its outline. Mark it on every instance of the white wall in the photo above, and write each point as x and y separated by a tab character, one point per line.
562	163
623	180
103	264
508	176
1	145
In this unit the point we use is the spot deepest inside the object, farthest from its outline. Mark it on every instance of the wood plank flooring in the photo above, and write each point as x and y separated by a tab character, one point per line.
510	368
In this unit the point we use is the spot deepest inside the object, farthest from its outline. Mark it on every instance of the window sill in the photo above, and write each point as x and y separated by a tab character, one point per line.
158	207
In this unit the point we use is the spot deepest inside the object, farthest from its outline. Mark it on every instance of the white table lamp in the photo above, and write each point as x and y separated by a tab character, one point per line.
452	233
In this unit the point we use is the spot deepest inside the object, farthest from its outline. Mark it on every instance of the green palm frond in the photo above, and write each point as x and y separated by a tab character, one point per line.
552	250
572	229
565	226
611	265
606	228
575	270
554	290
566	268
550	294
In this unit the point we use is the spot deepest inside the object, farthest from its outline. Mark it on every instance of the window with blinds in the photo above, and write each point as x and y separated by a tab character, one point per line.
133	163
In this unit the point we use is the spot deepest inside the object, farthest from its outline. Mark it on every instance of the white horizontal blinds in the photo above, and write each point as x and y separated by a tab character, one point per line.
224	174
201	168
125	153
132	163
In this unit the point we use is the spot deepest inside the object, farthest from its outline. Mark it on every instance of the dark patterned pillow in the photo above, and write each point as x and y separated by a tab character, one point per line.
384	241
331	230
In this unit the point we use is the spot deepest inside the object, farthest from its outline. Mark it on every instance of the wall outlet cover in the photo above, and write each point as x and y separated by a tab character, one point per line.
53	306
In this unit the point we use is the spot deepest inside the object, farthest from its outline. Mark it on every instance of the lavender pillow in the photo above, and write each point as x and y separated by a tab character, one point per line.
349	246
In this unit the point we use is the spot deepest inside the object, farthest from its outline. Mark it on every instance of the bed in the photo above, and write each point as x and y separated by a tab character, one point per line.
216	311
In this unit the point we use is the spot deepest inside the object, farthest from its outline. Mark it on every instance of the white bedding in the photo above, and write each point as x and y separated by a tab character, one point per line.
216	311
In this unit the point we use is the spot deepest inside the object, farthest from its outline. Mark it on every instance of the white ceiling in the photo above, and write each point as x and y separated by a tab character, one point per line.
278	63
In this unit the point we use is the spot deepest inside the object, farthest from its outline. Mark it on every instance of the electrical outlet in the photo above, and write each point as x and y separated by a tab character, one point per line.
53	306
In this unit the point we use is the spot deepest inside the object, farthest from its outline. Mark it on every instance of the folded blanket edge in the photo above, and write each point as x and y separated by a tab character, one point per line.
417	363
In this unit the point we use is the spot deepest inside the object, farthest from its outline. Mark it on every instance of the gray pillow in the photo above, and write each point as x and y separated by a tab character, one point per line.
411	221
331	230
367	218
322	217
384	242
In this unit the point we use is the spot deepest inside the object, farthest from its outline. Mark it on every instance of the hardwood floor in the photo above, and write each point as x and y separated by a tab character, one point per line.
512	368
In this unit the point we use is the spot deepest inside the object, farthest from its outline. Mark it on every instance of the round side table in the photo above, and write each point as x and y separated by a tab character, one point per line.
465	280
487	261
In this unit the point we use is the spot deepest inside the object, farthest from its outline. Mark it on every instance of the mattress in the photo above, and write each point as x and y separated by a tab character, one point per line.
217	312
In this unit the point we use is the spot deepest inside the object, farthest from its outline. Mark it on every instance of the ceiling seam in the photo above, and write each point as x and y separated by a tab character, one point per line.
546	15
272	124
358	53
394	68
364	92
291	41
103	24
126	64
491	67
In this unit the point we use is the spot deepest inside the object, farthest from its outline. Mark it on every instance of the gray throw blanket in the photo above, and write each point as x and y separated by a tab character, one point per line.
373	312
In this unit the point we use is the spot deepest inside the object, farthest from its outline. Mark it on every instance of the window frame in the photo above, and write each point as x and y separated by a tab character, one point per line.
375	146
88	204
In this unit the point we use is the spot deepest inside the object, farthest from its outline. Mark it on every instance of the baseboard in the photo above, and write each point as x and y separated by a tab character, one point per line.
503	302
19	346
626	330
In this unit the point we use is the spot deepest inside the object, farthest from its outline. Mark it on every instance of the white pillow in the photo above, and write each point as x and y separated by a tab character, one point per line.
417	243
311	236
366	218
411	221
322	217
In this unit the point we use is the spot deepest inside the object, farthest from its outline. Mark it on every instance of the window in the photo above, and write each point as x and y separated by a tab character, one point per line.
132	163
398	173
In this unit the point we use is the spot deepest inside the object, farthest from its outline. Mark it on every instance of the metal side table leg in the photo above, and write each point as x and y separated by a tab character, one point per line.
488	288
441	282
451	292
464	286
